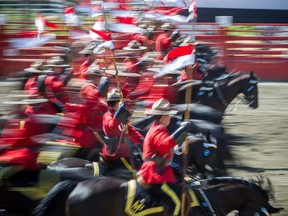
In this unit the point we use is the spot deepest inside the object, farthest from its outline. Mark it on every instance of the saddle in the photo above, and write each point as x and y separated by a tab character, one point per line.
142	200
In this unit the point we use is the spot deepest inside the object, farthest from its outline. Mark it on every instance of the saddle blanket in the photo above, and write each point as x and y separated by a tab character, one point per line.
142	201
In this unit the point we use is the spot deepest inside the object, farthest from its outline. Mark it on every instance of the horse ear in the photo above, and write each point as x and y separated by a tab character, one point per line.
252	76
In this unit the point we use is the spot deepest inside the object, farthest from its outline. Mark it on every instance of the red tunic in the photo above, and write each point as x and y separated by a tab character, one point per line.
131	65
157	141
162	44
95	107
30	86
112	128
43	108
140	38
83	69
89	91
54	86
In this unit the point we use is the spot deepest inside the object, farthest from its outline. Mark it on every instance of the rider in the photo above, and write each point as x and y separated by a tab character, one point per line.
158	146
134	62
116	153
94	94
90	60
53	85
163	43
34	89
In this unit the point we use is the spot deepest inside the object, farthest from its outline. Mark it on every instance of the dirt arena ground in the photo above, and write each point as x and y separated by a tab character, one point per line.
259	137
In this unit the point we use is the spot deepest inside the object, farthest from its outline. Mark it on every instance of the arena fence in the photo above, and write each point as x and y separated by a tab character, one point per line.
262	48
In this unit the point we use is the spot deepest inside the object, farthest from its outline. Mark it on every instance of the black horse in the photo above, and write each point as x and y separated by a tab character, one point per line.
196	126
212	132
20	192
219	93
203	161
110	196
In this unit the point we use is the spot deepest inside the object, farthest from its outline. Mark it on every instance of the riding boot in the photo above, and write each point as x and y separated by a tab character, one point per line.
170	195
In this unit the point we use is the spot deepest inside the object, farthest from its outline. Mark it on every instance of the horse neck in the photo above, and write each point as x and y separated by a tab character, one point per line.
232	89
227	197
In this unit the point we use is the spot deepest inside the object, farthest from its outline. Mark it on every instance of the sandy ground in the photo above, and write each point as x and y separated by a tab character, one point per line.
259	140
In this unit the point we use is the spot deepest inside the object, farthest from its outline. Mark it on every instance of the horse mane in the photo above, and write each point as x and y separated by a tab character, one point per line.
237	76
256	184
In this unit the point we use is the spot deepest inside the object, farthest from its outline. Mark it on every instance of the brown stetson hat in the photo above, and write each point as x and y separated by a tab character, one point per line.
56	61
114	95
37	67
95	70
166	26
121	73
161	107
134	45
88	49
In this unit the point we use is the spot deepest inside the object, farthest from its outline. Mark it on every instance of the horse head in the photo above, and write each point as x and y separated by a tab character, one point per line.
204	158
251	91
267	186
256	199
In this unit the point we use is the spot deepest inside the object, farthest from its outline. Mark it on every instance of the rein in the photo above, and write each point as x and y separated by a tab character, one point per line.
220	94
205	198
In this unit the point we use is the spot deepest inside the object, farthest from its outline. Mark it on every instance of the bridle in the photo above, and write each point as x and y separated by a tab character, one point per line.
247	99
250	99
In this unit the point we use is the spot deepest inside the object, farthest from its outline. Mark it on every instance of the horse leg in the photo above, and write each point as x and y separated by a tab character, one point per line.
54	202
98	196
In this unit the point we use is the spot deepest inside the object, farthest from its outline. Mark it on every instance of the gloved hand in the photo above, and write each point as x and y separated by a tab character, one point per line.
103	86
181	133
175	34
122	114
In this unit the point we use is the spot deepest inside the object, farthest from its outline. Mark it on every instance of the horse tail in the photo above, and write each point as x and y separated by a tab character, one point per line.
54	202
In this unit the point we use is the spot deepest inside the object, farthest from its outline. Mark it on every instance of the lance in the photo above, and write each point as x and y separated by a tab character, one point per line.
121	100
188	95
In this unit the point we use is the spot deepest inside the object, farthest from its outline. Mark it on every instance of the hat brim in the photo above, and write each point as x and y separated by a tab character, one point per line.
133	49
158	70
53	65
113	99
122	74
117	99
94	74
86	52
160	112
34	70
26	101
